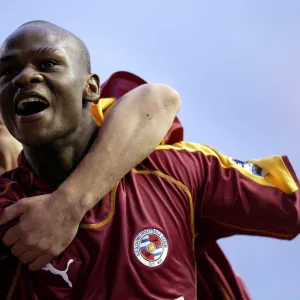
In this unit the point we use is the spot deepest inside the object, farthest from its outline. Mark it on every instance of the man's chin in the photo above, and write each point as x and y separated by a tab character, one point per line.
34	139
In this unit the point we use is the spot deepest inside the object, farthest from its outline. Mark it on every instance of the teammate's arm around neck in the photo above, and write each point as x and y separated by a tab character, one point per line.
132	130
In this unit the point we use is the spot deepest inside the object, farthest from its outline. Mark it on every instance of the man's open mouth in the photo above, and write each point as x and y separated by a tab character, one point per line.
31	105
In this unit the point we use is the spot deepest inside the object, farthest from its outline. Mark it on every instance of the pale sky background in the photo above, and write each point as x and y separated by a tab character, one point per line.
236	64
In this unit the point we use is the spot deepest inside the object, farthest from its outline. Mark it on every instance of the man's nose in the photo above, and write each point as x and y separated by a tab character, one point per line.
26	77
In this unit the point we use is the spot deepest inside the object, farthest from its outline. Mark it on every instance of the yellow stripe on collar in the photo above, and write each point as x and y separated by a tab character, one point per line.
102	108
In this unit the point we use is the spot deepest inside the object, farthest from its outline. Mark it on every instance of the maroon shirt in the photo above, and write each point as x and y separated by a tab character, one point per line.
138	242
176	185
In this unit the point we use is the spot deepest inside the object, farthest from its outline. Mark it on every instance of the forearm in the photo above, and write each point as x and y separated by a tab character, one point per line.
132	130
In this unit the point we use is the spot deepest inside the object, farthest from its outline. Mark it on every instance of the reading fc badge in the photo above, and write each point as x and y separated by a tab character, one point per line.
151	247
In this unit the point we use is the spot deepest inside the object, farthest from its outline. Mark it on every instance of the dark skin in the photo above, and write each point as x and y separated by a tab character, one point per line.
56	141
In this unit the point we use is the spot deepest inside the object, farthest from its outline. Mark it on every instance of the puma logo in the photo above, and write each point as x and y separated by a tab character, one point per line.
63	274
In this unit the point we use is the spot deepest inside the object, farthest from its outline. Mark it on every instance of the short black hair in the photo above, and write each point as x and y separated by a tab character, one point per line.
83	55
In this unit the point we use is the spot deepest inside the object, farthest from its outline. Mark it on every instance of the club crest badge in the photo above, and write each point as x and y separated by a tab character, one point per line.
151	247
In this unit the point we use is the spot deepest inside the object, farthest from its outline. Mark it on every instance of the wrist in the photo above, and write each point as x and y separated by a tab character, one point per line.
77	199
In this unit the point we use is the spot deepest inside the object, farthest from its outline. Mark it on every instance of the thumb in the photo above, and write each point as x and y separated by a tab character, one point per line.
11	212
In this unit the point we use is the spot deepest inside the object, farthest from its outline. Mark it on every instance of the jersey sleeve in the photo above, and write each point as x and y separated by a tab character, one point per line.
257	197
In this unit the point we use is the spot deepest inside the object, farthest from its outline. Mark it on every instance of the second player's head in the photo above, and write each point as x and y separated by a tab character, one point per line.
45	84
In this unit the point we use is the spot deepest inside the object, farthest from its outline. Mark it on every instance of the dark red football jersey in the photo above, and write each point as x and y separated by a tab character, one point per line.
138	242
215	277
154	236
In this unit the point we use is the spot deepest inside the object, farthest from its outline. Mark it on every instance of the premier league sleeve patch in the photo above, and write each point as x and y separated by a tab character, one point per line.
151	247
251	168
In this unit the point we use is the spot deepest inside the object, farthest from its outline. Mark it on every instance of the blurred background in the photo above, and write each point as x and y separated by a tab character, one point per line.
236	64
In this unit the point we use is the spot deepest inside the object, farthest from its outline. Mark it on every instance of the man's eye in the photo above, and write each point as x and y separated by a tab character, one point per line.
47	64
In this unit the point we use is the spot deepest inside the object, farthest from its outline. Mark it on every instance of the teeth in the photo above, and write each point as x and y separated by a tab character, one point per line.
23	102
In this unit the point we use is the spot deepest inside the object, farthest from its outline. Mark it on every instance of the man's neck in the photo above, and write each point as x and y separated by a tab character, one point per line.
53	163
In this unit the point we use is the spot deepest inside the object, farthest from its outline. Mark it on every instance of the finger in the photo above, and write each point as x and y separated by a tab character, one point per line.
11	212
40	262
11	236
17	249
29	256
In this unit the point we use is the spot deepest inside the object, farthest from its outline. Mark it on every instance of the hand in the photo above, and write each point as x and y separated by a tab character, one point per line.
47	225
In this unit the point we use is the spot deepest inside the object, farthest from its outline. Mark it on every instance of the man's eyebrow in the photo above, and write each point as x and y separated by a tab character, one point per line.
38	51
47	50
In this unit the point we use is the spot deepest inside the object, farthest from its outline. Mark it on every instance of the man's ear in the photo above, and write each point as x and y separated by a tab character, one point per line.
92	89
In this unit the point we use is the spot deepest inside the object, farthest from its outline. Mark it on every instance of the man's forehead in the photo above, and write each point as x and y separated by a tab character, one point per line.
31	32
35	38
31	39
